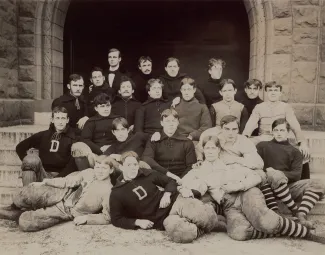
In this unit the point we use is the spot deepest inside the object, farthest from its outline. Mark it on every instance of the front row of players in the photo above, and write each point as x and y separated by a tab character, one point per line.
189	204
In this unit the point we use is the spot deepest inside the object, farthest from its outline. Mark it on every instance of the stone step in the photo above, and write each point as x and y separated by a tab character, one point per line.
10	176
6	194
9	157
316	141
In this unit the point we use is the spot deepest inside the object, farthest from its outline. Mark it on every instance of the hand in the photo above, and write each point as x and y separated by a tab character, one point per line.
176	101
304	150
117	157
175	177
80	220
275	177
229	160
144	224
197	165
185	192
73	181
190	137
165	200
37	184
91	88
155	137
81	122
104	148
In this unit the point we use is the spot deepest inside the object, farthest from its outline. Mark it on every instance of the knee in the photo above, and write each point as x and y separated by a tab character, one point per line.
268	222
80	149
31	162
240	233
316	186
27	223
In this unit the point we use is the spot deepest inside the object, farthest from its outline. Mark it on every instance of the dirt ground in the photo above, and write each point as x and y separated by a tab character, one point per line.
70	239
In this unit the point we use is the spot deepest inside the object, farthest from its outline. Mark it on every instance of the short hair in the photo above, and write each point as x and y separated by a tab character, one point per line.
114	50
254	82
96	69
125	78
216	61
272	84
144	59
172	59
126	154
101	98
188	80
152	81
58	109
74	77
168	112
212	138
104	159
228	119
227	81
280	121
120	120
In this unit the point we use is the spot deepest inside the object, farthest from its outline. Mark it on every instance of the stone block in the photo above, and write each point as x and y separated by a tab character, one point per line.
5	5
26	25
283	26
9	110
321	93
57	44
322	52
3	87
304	114
320	115
27	109
281	8
26	73
64	5
305	35
305	16
10	176
26	89
57	74
305	2
306	53
57	31
27	9
4	62
12	57
26	56
303	72
9	15
4	72
282	45
9	31
26	40
281	68
57	58
59	17
302	93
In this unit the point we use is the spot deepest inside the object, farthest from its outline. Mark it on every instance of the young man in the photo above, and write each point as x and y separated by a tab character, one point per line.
54	150
98	86
265	113
147	117
124	104
212	87
141	78
136	202
74	102
97	131
172	81
83	198
173	154
194	118
228	105
283	165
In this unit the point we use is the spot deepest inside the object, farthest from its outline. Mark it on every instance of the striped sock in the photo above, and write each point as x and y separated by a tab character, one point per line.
259	235
309	199
291	228
284	195
270	200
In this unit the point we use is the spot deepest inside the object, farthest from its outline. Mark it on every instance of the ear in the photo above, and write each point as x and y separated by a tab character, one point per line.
113	132
68	86
194	90
120	59
91	80
161	123
220	92
103	77
235	91
166	69
68	120
209	71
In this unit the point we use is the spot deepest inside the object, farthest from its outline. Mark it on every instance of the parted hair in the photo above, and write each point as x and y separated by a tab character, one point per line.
280	121
272	84
152	81
228	119
172	59
126	154
188	80
58	109
251	82
169	112
227	81
216	61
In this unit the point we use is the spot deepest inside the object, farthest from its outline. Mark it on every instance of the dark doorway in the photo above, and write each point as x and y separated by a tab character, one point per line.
192	31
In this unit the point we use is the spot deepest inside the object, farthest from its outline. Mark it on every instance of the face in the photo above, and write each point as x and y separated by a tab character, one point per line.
126	89
280	133
130	168
76	87
273	94
188	92
216	71
172	68
169	125
228	92
60	121
211	151
252	91
97	78
145	67
114	59
103	109
155	90
102	171
121	133
230	131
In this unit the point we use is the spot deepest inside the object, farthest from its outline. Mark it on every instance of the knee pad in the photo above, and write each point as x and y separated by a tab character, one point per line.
27	222
31	162
268	223
80	149
240	233
179	230
28	177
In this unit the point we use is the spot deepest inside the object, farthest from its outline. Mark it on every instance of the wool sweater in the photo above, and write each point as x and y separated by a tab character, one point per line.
140	79
125	108
210	89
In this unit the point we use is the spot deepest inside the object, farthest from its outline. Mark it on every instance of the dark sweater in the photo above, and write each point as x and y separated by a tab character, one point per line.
60	161
140	79
147	117
135	143
210	89
117	78
97	132
125	108
249	103
175	154
282	156
140	199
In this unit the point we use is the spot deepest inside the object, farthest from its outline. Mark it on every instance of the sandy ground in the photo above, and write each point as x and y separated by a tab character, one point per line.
69	239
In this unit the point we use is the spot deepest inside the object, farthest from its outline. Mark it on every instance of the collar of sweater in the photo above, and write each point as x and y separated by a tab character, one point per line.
214	80
120	180
178	76
150	99
68	97
286	142
175	136
120	98
193	100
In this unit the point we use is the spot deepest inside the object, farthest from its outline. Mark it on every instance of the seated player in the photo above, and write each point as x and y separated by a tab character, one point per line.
283	165
136	202
173	154
228	106
53	158
81	197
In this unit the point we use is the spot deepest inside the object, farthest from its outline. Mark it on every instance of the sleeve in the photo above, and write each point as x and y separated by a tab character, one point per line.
111	150
213	115
118	215
205	123
252	122
64	182
31	142
250	158
148	156
192	181
199	96
102	218
243	120
139	119
69	168
294	124
190	157
296	167
87	135
164	181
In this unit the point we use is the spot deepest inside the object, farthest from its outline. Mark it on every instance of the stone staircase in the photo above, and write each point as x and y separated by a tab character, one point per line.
10	163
